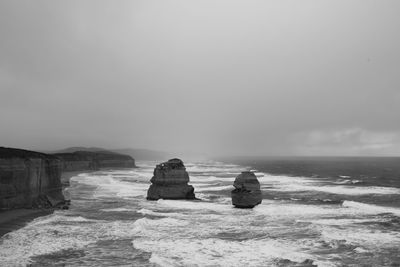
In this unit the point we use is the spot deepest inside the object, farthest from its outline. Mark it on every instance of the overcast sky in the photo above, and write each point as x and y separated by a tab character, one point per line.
220	77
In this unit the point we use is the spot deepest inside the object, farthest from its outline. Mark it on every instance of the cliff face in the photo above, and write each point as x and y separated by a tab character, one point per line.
86	160
170	181
29	179
247	193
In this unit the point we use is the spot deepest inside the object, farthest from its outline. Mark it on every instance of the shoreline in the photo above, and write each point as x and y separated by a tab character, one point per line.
66	176
11	220
14	219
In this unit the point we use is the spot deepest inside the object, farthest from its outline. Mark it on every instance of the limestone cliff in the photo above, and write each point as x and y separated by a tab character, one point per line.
29	179
170	181
247	193
87	160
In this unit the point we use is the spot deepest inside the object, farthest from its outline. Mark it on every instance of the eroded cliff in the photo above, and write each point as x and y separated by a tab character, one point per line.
29	179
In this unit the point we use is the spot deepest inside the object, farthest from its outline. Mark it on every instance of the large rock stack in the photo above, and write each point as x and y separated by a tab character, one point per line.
247	193
170	181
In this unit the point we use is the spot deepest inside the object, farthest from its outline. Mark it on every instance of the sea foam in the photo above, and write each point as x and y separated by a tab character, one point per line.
339	189
179	244
370	208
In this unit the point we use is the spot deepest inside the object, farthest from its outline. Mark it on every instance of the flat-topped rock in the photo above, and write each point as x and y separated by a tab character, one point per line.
247	193
170	181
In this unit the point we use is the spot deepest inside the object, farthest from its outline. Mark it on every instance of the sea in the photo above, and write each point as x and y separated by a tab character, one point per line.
315	212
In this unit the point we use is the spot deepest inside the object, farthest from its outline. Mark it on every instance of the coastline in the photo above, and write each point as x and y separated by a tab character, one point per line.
66	176
11	220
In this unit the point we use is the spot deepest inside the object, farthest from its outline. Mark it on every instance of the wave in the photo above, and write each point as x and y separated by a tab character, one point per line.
343	222
107	186
215	169
47	235
283	183
365	237
286	180
173	243
178	250
339	190
211	178
170	241
369	208
214	188
217	252
297	211
160	214
57	232
348	181
193	205
212	232
119	210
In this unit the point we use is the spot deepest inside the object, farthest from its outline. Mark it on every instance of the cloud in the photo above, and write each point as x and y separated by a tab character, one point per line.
227	77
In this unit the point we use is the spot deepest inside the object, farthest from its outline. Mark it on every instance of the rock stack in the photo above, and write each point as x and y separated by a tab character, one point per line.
247	193
170	181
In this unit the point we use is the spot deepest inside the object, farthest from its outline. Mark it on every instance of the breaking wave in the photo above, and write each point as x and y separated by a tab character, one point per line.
109	207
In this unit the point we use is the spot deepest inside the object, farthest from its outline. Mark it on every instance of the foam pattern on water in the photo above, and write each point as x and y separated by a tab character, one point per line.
211	232
56	233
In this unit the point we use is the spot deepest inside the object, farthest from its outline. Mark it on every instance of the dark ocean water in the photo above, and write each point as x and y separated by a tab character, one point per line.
315	212
355	173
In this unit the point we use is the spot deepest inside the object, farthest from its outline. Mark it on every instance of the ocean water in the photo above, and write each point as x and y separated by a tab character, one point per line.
313	214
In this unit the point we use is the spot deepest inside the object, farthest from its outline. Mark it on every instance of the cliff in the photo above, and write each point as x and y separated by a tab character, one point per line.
247	193
170	181
88	160
29	179
137	154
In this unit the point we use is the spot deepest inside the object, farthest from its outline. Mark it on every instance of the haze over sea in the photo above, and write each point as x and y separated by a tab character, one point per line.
326	212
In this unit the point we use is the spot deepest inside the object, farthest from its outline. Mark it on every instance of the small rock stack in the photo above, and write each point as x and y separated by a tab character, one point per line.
170	181
247	193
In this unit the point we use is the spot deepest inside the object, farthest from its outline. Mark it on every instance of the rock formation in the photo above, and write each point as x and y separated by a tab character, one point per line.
88	160
247	193
170	181
29	179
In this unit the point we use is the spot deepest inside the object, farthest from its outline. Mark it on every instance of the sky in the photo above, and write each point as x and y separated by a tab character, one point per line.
220	77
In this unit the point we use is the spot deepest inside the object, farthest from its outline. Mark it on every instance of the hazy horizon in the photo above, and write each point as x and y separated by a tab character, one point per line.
214	78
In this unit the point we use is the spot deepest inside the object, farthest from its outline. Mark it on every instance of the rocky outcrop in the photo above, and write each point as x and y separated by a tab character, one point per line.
170	181
29	179
247	193
87	160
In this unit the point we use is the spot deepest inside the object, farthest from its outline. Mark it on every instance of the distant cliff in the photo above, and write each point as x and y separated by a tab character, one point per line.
29	179
137	154
144	154
88	160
